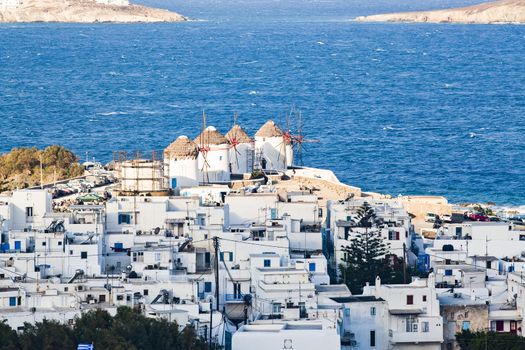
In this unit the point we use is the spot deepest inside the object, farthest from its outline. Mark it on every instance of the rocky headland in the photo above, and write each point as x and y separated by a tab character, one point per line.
499	12
83	11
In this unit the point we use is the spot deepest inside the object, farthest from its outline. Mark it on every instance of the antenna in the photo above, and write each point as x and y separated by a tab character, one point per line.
204	147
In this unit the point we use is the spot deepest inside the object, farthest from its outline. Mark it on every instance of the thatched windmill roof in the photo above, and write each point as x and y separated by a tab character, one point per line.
210	136
238	134
269	129
182	148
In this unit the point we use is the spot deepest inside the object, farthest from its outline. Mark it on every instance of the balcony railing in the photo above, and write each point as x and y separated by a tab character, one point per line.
234	297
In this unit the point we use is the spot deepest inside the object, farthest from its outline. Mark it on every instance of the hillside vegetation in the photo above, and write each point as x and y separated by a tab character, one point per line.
20	168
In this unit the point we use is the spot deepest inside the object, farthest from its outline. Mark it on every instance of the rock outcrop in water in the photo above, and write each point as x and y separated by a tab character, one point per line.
504	11
83	11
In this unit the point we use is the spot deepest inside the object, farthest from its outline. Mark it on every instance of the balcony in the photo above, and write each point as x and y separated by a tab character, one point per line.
237	298
424	330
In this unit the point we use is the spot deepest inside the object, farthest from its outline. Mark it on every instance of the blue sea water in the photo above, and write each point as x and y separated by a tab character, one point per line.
399	108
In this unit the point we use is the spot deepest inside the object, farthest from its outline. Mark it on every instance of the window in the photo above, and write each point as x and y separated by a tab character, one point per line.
448	272
102	298
522	237
59	242
410	300
466	326
29	212
120	297
12	301
146	292
425	327
43	244
459	231
489	265
237	290
276	308
311	267
424	298
226	256
411	324
83	255
267	263
207	287
372	338
124	219
347	312
393	236
372	311
70	252
497	326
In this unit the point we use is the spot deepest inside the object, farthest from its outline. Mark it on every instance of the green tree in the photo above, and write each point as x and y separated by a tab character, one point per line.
47	335
127	330
468	340
364	259
8	338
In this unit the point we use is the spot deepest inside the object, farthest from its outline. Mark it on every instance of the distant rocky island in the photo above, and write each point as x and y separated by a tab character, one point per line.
82	11
499	12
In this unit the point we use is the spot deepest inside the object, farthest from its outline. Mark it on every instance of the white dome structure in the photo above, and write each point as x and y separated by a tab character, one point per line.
181	164
214	156
242	150
272	148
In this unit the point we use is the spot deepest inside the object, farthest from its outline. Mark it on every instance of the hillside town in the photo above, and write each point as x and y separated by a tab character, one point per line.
227	234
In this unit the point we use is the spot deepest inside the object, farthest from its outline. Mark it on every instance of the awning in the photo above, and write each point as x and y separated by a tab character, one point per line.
406	311
505	318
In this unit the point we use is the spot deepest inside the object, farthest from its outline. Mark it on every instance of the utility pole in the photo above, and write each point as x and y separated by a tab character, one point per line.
211	322
41	173
404	264
216	248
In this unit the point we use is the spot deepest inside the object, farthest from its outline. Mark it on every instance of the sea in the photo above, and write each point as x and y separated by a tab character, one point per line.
423	109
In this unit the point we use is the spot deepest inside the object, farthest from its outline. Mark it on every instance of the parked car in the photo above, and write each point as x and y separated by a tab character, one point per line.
478	217
446	218
430	217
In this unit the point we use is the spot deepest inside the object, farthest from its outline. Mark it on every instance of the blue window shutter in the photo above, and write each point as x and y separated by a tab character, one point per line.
231	256
207	287
173	182
12	301
267	263
448	272
18	245
311	267
221	256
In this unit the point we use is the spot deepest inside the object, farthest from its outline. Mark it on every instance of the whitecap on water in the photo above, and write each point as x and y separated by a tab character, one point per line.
112	113
472	135
320	43
253	92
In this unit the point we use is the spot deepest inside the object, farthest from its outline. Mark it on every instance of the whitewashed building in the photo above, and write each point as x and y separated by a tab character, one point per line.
241	151
392	222
271	148
286	335
180	163
214	156
414	320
